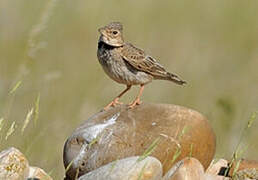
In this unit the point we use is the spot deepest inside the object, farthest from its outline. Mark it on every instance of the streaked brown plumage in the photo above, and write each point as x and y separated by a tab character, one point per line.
127	64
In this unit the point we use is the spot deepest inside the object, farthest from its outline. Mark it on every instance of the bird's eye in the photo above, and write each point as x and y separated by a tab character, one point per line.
114	32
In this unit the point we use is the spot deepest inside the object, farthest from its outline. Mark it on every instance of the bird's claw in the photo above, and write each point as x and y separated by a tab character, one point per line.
135	103
114	103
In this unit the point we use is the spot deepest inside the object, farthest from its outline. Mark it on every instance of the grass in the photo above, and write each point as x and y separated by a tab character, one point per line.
27	120
183	132
141	172
94	141
1	123
191	150
149	150
10	130
16	86
36	111
176	155
113	166
239	151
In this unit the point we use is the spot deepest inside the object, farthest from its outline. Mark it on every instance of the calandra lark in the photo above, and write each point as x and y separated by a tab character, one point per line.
126	64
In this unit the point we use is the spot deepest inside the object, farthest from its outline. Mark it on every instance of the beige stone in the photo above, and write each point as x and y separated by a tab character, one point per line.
13	165
36	172
215	177
186	169
215	167
176	131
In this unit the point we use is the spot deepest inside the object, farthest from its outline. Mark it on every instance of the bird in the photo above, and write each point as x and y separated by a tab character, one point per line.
127	64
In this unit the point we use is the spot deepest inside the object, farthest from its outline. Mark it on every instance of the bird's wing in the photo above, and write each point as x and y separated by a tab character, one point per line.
142	62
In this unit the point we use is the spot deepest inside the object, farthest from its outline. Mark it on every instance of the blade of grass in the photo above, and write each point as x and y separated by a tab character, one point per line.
1	123
113	165
95	140
10	130
236	153
249	125
77	174
46	177
252	118
236	167
36	112
49	174
141	172
191	150
237	157
184	131
176	155
69	166
27	120
16	86
34	42
149	150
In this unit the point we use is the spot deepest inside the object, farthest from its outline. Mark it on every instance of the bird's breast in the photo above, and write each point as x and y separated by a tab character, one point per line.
117	69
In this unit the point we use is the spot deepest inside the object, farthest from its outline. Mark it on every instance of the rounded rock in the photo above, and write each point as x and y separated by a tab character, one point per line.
169	132
13	165
132	168
246	174
243	165
217	168
188	168
208	176
38	173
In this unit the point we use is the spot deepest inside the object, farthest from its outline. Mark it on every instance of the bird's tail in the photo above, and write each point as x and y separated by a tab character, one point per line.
175	78
172	77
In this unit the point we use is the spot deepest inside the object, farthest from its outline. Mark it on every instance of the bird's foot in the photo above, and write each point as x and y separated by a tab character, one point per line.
113	104
136	102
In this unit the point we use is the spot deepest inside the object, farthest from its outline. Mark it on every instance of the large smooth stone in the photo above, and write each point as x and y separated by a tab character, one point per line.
13	165
130	168
121	132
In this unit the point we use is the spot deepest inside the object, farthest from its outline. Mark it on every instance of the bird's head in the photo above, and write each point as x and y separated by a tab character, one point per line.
112	34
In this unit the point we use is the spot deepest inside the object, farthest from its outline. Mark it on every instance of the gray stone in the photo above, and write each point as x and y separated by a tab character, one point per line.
127	169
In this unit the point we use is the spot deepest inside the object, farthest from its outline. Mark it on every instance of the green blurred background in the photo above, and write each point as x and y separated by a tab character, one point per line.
50	47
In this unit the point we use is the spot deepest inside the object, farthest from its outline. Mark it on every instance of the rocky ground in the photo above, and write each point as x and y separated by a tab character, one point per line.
151	141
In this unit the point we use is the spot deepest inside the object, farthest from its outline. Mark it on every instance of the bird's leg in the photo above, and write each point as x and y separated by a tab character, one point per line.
115	101
137	101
